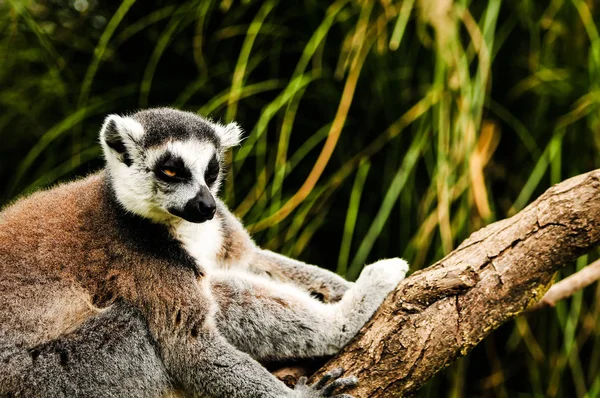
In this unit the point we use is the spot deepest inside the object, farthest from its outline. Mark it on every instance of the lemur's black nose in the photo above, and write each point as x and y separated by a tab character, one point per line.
206	203
200	208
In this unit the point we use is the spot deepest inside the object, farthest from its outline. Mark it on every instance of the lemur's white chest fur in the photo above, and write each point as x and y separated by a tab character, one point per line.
202	241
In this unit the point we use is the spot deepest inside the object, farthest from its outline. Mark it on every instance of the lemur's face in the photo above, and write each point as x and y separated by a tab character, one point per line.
167	164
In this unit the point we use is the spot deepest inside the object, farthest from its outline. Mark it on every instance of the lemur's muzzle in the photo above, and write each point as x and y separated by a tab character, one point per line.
200	208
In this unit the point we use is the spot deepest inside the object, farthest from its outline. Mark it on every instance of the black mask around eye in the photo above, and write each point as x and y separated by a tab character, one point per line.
212	171
171	168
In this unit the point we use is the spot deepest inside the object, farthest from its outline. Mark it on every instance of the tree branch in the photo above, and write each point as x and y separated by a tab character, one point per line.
440	313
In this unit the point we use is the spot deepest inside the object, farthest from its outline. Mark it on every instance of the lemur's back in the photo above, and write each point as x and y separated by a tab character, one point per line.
42	239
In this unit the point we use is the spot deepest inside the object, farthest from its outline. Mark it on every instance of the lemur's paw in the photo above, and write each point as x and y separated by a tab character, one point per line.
384	274
325	388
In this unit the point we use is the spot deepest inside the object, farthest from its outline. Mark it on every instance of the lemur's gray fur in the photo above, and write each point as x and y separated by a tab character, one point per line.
138	282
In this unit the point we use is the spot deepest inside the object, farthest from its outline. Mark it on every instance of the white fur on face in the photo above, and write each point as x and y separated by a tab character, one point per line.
196	155
137	187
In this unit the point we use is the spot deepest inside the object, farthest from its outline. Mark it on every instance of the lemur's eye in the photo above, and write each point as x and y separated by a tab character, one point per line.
172	169
169	172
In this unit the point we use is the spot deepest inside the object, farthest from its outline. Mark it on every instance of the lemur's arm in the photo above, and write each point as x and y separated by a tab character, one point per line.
276	321
215	369
323	284
240	250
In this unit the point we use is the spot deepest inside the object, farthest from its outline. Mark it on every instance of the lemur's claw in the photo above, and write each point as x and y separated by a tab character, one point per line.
325	388
332	374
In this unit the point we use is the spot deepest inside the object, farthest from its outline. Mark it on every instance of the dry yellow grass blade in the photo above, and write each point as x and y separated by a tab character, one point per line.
489	138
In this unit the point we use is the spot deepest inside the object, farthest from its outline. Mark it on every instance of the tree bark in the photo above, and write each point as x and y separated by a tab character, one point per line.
440	313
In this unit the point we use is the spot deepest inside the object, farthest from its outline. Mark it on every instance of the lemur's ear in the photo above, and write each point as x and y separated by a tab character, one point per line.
230	135
118	136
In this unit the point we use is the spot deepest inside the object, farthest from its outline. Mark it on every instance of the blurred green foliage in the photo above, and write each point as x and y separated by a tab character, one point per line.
374	129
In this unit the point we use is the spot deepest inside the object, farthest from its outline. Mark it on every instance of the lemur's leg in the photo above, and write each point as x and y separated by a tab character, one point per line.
271	320
109	355
114	355
180	317
323	284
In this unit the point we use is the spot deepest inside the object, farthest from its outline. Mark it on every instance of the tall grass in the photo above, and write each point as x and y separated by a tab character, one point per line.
374	129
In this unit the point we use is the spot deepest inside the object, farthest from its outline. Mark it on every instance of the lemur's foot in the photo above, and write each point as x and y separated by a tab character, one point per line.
384	275
325	388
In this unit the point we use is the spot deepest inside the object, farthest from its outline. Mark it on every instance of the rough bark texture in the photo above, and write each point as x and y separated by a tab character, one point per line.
440	313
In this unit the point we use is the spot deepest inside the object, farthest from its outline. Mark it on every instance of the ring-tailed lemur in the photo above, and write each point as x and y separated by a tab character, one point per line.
137	281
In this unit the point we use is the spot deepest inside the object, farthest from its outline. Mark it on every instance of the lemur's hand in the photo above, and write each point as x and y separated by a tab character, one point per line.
384	275
331	293
323	387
